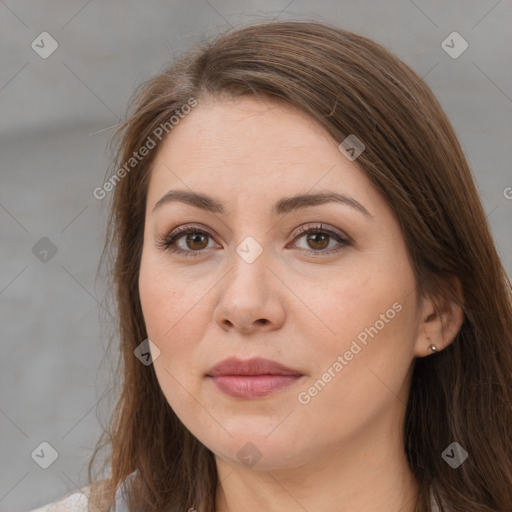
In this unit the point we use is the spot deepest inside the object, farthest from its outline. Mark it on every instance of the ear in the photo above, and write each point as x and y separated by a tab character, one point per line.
440	321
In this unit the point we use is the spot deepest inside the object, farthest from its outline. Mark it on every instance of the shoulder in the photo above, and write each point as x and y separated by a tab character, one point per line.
76	501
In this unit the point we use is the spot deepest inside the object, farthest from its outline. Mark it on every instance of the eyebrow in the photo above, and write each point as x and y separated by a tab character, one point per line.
281	207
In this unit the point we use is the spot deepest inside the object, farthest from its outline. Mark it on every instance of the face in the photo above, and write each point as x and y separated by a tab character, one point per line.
324	288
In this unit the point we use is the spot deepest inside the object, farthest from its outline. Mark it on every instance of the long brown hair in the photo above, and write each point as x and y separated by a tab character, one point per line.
351	85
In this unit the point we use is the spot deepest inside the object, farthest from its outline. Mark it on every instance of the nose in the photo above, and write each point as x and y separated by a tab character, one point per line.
250	297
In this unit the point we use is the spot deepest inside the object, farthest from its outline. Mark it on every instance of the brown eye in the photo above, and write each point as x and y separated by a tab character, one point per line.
196	241
188	241
318	240
192	241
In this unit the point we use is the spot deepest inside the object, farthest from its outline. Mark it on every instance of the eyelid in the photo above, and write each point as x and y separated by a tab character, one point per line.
302	229
176	233
166	242
320	226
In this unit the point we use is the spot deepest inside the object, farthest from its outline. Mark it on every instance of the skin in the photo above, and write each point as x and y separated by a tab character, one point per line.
341	451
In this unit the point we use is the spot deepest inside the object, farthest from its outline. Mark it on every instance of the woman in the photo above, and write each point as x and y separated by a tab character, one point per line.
312	311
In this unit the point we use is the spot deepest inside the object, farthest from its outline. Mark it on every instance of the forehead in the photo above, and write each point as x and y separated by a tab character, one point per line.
248	145
246	130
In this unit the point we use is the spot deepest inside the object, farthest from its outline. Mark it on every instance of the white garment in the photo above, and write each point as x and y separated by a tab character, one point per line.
77	502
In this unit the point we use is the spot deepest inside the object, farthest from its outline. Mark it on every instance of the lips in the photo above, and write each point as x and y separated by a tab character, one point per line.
252	378
254	366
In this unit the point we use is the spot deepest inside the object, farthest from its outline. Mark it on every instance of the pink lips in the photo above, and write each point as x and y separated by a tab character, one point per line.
252	378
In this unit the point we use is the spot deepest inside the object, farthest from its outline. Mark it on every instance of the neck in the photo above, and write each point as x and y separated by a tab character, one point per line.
355	477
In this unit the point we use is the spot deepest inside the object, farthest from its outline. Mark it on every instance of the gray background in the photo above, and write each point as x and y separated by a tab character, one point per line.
56	117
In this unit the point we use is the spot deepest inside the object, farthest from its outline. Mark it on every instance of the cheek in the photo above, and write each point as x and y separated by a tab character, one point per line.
167	309
366	313
376	353
351	300
167	300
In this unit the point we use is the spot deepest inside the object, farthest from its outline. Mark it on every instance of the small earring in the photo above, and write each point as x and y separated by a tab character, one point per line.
432	346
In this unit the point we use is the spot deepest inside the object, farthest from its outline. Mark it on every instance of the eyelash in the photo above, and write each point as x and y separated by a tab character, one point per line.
167	242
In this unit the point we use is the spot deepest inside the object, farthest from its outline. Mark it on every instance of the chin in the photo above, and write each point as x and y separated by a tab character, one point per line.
257	450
